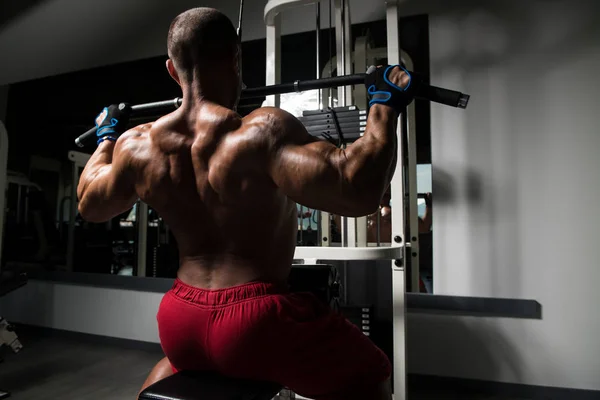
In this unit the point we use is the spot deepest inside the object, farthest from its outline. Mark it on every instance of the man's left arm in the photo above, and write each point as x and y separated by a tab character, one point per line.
107	185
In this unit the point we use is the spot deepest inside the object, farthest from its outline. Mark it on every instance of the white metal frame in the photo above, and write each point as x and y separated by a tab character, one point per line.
348	254
400	246
398	224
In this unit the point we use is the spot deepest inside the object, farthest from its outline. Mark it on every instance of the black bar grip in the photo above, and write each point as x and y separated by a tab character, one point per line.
426	92
443	96
87	139
157	106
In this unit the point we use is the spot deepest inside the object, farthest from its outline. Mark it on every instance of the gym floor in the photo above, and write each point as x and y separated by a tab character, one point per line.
64	366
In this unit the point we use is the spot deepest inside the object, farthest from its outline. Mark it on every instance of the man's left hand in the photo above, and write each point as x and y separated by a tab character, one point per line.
112	121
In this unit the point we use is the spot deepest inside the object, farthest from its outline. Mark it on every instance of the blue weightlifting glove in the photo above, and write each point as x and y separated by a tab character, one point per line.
382	91
112	121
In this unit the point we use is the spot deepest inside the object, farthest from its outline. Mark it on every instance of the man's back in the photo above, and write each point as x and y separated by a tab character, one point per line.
204	172
227	187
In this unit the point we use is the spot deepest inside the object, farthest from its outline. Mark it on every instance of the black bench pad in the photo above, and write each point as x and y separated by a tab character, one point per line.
195	385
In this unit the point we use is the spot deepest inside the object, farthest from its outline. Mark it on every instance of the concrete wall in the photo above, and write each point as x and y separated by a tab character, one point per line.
516	189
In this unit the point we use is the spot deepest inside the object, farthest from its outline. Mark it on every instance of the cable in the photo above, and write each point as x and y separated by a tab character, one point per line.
330	55
239	29
341	140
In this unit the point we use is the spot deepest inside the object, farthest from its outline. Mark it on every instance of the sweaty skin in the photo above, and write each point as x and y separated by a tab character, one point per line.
227	186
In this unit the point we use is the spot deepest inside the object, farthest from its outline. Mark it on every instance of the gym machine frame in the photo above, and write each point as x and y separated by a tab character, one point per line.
397	252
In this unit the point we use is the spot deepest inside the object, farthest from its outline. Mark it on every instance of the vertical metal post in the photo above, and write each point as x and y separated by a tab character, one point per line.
318	48
344	67
325	229
273	69
142	237
339	48
397	192
343	48
301	226
378	228
411	181
360	100
327	98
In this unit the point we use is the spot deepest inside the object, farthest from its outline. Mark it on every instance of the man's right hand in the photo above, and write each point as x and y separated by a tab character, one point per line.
390	85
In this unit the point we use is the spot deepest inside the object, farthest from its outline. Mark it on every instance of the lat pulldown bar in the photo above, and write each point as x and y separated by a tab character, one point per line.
426	92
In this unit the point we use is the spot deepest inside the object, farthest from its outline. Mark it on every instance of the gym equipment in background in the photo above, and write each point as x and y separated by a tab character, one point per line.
9	282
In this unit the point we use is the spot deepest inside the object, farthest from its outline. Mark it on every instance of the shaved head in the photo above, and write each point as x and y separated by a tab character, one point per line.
200	39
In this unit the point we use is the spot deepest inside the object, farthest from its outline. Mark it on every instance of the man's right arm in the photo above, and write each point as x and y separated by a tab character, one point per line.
317	174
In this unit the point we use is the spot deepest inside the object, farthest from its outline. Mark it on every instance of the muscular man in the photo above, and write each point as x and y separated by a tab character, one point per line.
211	175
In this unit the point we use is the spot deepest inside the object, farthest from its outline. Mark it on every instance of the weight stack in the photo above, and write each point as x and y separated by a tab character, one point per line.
325	123
361	316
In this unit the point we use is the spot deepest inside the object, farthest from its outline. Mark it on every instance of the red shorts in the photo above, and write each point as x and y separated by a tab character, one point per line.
262	332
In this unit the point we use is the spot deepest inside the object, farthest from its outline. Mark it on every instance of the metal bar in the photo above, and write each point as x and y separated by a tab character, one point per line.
348	48
325	229
301	224
399	332
239	28
318	49
361	231
273	65
142	237
300	86
340	48
331	57
348	224
348	254
439	95
398	223
378	227
172	104
411	181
